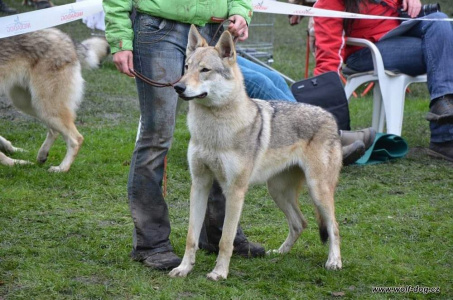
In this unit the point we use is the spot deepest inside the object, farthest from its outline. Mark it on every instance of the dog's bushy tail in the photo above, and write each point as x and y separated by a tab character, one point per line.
92	51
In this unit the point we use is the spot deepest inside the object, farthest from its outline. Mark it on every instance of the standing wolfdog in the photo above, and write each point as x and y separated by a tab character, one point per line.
40	72
240	141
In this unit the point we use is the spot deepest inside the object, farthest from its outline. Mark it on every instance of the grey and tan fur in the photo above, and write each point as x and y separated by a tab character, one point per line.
40	72
241	141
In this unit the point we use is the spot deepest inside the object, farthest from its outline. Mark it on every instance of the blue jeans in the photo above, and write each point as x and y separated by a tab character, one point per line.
425	48
263	83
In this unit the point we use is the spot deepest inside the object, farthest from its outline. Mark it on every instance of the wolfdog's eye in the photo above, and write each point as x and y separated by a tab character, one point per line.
205	70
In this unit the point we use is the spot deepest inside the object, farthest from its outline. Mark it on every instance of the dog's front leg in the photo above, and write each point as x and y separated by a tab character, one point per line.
6	146
233	208
198	202
7	161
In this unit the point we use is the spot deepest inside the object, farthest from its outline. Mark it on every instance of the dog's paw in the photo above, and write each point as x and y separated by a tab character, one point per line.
57	169
42	158
333	264
275	252
22	162
216	276
12	162
15	149
178	272
272	252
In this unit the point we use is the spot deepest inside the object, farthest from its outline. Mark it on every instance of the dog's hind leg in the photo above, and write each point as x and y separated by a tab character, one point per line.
55	98
58	113
73	141
198	203
45	147
61	122
321	181
284	189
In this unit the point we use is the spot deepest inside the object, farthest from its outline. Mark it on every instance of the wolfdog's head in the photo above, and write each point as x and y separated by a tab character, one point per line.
211	76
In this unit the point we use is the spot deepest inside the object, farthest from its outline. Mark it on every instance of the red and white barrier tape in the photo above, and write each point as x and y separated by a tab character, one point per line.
49	17
274	7
57	15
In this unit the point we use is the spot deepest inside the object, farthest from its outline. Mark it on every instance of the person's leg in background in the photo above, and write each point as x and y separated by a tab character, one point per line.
263	83
437	46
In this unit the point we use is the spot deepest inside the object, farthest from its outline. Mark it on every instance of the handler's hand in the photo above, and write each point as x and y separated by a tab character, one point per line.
412	7
238	27
123	62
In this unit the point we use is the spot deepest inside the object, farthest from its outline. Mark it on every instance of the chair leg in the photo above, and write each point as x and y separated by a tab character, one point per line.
394	96
378	109
344	82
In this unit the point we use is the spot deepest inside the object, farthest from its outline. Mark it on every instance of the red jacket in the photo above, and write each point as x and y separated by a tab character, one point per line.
330	36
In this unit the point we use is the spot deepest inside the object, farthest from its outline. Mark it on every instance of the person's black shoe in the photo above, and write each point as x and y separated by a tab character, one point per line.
441	110
245	249
366	135
162	261
6	9
441	150
249	250
353	152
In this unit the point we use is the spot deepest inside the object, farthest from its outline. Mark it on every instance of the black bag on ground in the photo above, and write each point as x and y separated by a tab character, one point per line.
326	91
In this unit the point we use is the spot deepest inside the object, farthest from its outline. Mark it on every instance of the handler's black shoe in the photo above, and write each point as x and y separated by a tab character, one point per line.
248	249
441	110
6	9
162	261
441	150
245	249
353	152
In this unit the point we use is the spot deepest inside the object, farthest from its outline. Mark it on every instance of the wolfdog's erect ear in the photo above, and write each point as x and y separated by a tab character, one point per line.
225	45
195	40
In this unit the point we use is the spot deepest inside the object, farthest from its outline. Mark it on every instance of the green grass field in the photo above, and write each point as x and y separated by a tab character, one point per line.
68	236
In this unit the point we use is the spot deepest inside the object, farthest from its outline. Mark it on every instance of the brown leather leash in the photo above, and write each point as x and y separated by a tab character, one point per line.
152	82
168	84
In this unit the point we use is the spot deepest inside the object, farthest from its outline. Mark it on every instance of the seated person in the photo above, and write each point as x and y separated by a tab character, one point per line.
426	47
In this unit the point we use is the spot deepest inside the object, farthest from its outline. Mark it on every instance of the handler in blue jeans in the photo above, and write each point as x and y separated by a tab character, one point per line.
154	44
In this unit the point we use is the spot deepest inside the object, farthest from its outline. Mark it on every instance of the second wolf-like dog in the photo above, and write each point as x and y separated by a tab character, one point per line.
40	72
240	141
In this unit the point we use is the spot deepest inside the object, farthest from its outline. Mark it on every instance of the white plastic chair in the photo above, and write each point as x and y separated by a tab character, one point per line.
389	90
